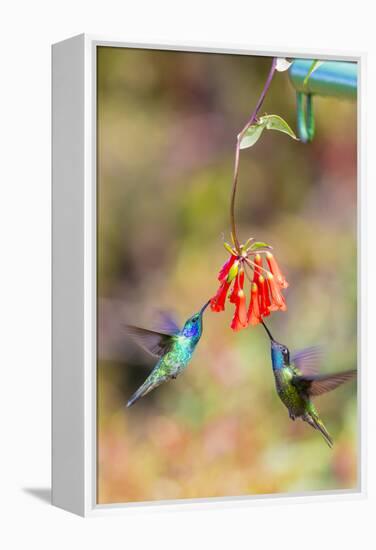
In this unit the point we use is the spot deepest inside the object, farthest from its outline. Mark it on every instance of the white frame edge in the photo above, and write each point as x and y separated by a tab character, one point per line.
68	380
74	361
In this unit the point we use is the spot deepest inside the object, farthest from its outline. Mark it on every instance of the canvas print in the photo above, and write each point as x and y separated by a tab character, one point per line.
226	275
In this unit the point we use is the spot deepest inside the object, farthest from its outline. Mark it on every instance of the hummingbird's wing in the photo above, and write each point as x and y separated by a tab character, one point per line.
307	360
167	323
319	384
155	343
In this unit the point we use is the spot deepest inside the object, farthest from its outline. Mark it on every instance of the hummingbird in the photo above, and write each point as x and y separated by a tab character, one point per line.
297	380
174	347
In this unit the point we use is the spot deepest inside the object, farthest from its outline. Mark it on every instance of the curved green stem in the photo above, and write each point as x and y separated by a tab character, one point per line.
237	152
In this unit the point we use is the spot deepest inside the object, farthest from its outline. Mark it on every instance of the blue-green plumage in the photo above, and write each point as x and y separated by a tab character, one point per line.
296	381
174	348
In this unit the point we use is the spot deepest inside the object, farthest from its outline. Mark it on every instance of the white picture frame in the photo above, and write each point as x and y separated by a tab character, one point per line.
74	446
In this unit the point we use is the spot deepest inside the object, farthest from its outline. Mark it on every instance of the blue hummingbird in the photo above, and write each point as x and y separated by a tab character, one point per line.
174	347
297	380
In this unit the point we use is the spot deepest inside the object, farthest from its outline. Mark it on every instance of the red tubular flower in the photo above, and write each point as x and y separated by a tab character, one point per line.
226	275
241	301
217	303
238	284
222	275
274	268
278	301
236	324
240	319
264	298
234	294
266	284
254	316
257	269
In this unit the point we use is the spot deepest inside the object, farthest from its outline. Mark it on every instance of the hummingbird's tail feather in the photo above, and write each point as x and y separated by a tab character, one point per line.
316	423
150	384
324	432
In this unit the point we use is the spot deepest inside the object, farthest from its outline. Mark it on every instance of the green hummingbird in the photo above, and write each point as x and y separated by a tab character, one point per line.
174	347
297	380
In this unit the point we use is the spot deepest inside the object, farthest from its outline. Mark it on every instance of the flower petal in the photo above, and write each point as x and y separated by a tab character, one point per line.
242	308
257	271
264	298
240	319
254	316
236	324
226	268
235	290
274	268
278	301
217	303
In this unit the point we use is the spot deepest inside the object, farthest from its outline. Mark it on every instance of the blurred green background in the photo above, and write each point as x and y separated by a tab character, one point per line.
167	123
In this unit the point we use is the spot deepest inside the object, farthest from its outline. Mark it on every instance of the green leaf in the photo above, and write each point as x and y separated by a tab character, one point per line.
252	135
275	122
248	242
271	122
315	65
257	245
228	248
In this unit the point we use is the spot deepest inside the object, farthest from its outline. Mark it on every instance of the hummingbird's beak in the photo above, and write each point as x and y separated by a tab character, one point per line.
268	331
204	307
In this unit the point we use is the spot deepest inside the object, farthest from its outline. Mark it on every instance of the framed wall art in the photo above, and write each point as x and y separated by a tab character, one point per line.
206	280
